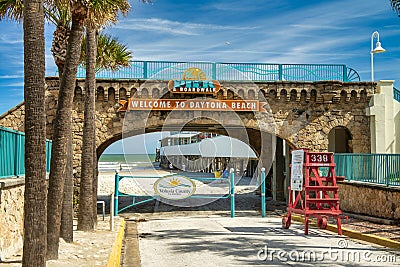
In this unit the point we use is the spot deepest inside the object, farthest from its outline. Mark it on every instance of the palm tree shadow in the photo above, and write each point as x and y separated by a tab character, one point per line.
239	244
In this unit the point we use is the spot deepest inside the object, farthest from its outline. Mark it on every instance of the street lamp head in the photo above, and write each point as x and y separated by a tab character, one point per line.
378	48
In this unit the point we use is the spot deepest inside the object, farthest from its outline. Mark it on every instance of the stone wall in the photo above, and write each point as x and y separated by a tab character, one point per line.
11	216
369	199
14	118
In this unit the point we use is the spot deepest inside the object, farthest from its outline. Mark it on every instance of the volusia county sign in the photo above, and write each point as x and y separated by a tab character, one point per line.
191	104
175	187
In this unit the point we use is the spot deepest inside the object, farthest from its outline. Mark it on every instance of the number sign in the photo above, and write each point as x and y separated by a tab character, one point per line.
320	158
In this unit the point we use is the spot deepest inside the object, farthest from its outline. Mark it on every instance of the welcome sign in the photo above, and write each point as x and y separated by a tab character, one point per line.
192	104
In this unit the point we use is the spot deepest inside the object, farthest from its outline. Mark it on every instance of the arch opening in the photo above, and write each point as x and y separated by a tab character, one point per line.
276	181
340	140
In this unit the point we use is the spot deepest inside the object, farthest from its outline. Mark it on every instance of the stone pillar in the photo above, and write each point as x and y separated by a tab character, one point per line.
384	112
274	176
280	169
278	177
267	154
287	170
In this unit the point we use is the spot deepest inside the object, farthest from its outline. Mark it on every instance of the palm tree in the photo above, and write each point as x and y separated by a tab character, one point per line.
100	13
62	126
112	55
34	253
396	6
58	12
85	212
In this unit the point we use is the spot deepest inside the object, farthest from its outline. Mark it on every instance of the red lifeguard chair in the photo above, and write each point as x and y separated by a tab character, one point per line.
313	190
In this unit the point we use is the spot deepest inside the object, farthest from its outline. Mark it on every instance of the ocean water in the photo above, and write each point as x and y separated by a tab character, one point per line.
127	158
112	162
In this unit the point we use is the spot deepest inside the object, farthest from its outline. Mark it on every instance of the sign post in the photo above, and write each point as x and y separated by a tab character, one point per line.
263	204
232	191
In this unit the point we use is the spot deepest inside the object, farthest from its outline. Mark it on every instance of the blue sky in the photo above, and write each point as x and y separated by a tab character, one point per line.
329	32
256	30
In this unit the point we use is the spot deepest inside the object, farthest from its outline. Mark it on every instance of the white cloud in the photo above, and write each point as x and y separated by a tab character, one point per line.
11	41
18	84
11	76
174	27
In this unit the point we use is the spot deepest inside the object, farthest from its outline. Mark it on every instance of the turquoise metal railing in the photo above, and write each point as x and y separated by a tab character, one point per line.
371	168
396	94
169	70
148	198
12	153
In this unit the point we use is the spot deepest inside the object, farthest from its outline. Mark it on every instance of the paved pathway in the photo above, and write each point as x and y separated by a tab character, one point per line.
207	236
214	240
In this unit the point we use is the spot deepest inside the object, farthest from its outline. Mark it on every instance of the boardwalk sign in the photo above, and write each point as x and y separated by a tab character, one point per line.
174	187
194	81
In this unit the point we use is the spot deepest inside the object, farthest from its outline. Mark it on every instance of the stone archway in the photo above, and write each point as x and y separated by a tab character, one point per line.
304	112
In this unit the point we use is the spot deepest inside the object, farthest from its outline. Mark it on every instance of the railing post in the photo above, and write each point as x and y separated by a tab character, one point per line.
144	69
214	71
116	194
280	68
263	206
387	170
345	78
16	157
232	191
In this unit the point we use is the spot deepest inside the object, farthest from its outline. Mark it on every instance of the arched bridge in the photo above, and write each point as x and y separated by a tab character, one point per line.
302	112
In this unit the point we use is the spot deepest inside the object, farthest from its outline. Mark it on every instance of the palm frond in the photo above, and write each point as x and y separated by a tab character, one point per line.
396	6
106	12
58	13
11	9
111	54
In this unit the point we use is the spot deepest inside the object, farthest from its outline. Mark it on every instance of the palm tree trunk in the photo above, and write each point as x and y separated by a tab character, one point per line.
34	253
95	165
59	50
95	184
67	213
85	213
62	126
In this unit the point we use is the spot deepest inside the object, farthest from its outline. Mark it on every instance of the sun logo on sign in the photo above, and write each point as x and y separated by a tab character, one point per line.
174	182
194	74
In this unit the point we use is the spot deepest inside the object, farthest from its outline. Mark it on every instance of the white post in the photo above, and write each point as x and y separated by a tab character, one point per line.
112	212
372	66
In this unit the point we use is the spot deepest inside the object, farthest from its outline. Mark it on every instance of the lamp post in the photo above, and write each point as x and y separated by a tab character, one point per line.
378	49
